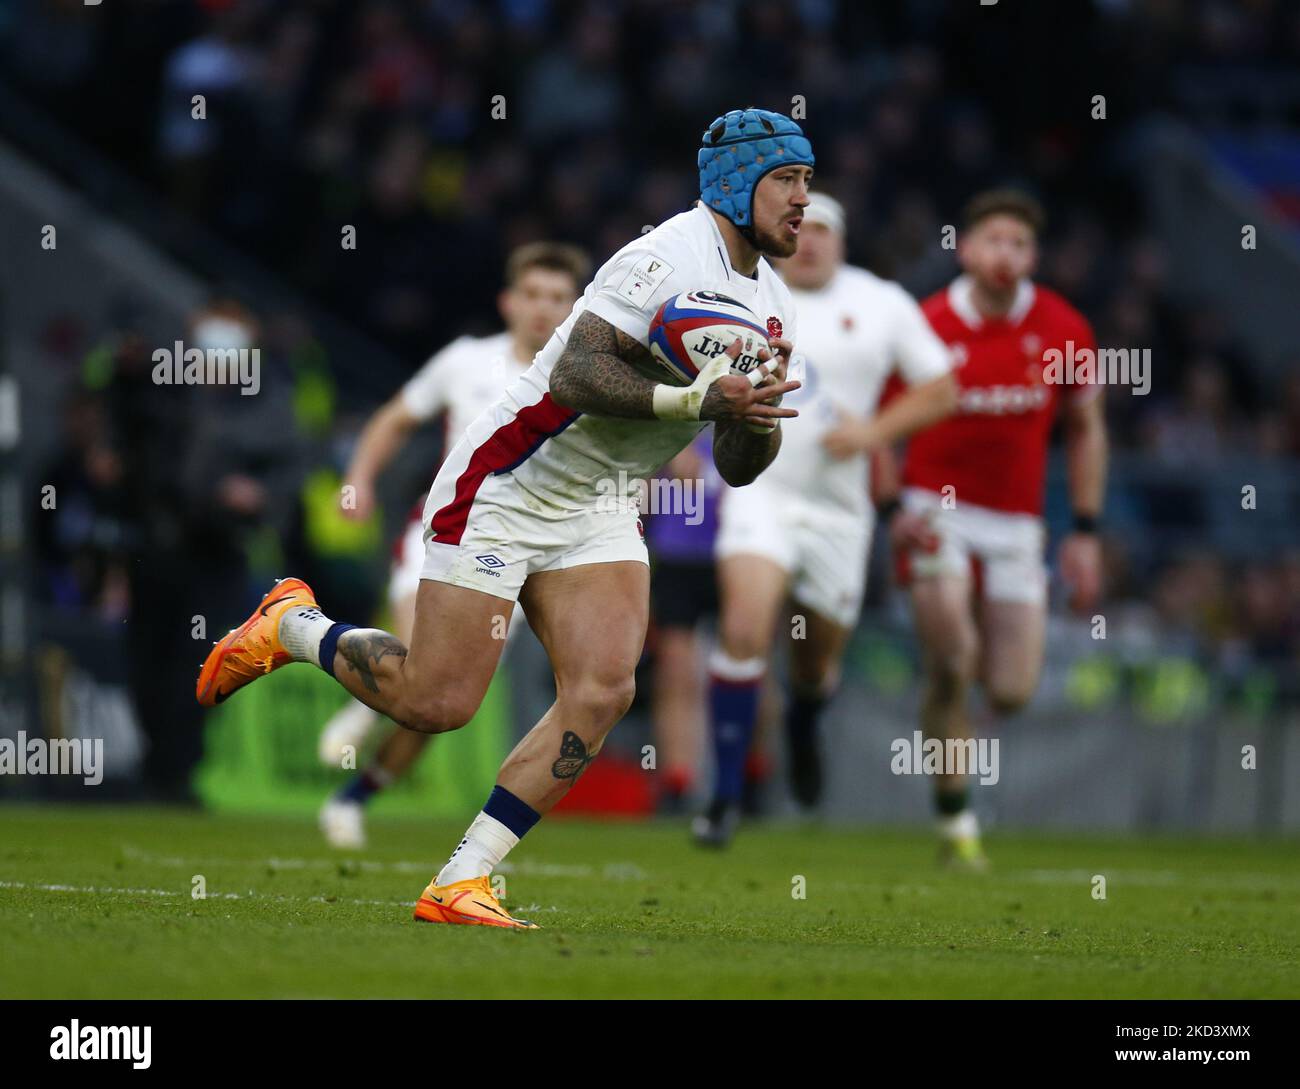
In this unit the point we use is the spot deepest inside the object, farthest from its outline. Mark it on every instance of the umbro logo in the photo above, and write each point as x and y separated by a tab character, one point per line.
491	561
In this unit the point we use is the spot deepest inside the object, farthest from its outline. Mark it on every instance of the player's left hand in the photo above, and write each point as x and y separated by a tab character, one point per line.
771	371
849	437
1080	560
776	362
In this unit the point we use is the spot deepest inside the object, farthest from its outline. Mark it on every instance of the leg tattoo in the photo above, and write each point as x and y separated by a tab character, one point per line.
574	757
361	648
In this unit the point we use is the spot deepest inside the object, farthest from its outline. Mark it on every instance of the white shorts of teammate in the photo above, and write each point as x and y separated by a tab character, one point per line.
404	577
1008	548
822	549
507	535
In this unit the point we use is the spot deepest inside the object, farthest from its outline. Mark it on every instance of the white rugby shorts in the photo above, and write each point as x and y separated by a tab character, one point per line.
1007	547
823	549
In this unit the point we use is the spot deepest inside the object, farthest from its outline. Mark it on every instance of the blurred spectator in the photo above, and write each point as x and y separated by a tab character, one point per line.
82	539
201	468
1201	426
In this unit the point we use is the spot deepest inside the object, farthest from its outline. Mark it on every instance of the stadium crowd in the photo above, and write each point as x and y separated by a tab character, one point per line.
448	132
463	129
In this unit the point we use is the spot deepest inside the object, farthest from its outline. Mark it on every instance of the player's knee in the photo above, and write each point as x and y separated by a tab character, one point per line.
814	680
1007	699
743	642
439	713
604	700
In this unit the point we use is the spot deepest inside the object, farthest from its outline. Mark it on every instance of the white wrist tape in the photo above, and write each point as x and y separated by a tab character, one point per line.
678	403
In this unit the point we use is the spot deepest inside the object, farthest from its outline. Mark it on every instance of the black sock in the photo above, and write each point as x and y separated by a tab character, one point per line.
802	714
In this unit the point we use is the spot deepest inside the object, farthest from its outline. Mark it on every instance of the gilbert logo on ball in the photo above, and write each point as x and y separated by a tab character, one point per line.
695	327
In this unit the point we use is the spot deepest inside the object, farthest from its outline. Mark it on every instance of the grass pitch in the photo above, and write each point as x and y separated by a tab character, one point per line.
97	903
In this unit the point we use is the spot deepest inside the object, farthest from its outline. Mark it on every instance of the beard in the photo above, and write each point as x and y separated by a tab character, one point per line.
772	244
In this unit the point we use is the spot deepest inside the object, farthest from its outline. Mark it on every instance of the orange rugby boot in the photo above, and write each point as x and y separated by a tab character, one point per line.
253	649
469	902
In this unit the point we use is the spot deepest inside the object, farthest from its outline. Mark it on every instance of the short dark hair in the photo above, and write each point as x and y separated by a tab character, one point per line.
555	256
1005	202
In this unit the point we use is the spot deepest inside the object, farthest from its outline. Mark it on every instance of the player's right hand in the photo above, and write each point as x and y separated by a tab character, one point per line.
1080	560
911	531
748	397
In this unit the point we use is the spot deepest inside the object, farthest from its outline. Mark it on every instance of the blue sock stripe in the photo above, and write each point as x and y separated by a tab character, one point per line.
513	812
329	645
734	711
360	789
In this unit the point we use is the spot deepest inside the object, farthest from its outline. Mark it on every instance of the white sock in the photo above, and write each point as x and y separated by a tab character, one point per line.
301	630
486	843
354	717
350	727
723	666
963	825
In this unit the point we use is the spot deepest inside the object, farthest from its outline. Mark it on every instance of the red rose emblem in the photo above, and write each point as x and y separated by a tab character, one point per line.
774	328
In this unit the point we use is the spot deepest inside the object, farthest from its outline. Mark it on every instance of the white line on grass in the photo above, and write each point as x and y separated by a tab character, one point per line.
611	871
99	890
250	895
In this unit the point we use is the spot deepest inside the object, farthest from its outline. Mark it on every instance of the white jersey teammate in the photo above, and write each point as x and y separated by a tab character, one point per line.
459	383
802	532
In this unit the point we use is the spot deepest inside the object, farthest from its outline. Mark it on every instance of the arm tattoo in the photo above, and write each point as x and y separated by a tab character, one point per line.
360	648
574	757
593	373
740	454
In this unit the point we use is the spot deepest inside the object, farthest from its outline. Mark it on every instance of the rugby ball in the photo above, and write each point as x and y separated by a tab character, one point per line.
695	327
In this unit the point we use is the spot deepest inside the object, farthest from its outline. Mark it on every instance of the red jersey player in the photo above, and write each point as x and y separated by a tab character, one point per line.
969	517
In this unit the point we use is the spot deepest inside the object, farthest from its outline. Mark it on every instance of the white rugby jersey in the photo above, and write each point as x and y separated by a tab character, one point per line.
460	381
565	460
857	329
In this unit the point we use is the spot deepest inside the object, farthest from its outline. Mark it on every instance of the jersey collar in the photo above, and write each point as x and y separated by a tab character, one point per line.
961	299
732	275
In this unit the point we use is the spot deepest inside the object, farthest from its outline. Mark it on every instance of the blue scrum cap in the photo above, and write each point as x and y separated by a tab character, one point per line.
737	150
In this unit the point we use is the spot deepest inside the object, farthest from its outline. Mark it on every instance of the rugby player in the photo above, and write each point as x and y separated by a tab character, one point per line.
802	532
968	525
520	511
